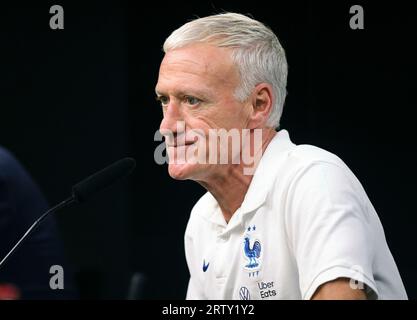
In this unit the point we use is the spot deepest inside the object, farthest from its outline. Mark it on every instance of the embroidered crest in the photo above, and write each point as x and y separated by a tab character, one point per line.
252	249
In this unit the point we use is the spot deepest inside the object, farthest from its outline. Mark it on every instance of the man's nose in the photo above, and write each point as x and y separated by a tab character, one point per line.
169	123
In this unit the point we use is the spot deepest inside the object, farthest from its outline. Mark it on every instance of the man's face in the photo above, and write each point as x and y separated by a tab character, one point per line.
196	87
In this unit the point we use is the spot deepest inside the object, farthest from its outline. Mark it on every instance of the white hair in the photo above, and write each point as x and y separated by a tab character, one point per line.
256	51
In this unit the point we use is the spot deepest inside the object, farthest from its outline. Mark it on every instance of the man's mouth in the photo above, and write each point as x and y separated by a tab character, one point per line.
176	145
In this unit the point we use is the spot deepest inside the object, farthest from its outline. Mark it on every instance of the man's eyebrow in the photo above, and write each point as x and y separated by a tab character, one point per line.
158	93
184	92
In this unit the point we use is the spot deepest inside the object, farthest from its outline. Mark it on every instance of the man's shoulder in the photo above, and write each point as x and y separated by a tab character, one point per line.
305	156
311	172
290	157
304	164
6	157
9	165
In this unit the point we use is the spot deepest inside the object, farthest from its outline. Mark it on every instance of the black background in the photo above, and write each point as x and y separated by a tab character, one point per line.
75	100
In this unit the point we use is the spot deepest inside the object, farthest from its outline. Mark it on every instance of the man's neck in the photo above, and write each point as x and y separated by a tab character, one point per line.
229	188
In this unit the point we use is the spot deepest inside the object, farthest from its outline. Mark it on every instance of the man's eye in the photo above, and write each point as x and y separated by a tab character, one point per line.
162	100
192	100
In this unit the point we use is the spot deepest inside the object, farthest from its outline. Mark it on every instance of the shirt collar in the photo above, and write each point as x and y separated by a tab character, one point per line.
264	175
260	185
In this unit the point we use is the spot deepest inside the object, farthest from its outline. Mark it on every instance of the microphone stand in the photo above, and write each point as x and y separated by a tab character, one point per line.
83	191
61	205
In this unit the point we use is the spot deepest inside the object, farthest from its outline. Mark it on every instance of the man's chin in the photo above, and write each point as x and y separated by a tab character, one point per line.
181	171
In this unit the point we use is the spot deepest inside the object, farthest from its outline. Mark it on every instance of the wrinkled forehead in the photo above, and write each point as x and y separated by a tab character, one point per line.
199	62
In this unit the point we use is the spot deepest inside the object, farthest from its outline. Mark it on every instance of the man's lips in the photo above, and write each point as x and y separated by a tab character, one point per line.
187	143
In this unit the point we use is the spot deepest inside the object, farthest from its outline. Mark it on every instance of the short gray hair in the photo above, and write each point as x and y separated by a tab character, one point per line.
256	51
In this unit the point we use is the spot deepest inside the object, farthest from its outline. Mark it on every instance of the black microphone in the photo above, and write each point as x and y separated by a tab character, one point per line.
82	192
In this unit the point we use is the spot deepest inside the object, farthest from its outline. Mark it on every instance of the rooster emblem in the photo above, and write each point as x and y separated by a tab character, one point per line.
253	253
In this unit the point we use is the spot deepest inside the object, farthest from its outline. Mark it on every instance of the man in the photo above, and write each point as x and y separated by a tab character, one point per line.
279	221
26	274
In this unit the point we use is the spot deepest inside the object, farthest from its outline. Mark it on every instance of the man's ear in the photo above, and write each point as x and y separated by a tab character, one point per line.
261	100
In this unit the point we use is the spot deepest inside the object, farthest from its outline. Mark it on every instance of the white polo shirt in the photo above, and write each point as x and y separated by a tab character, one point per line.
305	220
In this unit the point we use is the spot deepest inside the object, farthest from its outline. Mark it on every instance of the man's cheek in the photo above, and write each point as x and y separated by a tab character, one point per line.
192	154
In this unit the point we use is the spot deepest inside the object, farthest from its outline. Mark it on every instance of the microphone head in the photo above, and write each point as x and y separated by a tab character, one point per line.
102	179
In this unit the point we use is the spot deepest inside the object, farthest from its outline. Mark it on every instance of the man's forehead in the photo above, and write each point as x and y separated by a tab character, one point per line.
200	54
198	61
174	62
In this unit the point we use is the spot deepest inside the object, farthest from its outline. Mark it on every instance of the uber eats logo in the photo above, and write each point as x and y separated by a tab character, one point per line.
266	289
